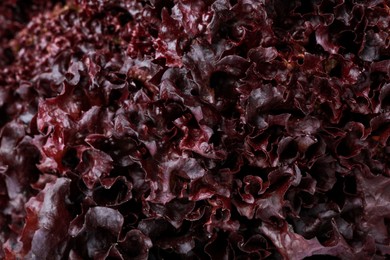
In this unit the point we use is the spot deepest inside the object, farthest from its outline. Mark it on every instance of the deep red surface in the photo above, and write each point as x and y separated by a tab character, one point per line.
194	129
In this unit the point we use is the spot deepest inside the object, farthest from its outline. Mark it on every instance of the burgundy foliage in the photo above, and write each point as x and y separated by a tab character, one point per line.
195	129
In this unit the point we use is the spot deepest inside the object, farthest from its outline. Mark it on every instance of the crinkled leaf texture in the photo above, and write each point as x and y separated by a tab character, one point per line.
189	129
